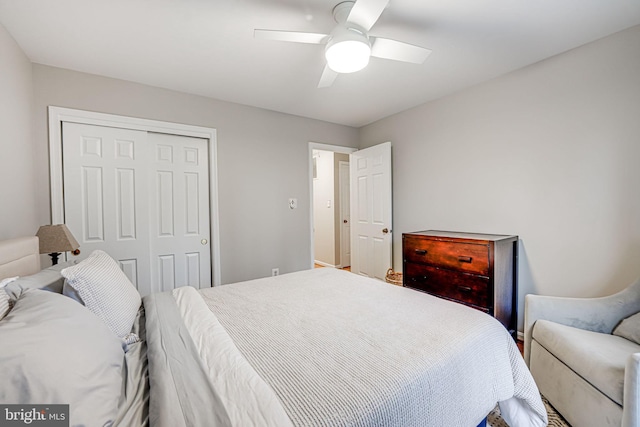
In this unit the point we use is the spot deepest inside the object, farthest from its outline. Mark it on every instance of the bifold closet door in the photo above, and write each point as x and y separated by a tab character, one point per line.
141	198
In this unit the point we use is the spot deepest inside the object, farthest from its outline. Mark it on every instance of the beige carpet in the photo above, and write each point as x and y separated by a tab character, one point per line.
555	420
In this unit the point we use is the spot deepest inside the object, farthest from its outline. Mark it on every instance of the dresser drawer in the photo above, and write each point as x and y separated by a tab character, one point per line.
463	287
466	257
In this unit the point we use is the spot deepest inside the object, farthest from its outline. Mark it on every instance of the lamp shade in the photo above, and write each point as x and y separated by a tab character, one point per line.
56	238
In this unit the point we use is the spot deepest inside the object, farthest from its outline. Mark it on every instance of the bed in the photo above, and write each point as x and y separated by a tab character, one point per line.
320	347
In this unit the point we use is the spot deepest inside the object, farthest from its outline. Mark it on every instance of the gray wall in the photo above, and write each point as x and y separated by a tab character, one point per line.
262	161
550	152
18	215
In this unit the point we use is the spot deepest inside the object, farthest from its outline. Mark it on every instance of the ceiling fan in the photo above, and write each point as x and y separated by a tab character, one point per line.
349	46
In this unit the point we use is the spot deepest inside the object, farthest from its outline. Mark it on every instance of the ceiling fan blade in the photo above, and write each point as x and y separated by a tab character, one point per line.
291	36
327	78
365	13
398	51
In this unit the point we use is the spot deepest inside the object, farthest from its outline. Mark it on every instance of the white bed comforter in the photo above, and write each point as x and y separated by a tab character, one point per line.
327	347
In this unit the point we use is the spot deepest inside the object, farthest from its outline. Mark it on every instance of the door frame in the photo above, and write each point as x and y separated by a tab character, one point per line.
324	147
341	182
57	115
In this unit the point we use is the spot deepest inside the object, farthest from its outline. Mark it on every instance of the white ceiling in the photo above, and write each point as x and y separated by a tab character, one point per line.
206	47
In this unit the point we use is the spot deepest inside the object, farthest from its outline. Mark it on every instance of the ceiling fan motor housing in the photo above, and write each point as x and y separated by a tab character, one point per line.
341	11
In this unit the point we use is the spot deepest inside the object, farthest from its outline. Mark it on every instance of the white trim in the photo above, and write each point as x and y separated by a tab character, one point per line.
325	264
342	163
520	336
325	147
57	115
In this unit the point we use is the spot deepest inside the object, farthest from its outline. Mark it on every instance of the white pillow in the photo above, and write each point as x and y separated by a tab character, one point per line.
48	279
5	282
55	351
105	290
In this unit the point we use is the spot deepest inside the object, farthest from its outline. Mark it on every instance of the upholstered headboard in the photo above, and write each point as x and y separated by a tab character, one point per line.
19	257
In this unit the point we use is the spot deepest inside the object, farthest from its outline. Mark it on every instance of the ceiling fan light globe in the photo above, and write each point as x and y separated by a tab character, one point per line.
348	56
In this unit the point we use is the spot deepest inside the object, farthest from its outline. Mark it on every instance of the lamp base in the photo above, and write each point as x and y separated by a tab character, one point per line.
54	257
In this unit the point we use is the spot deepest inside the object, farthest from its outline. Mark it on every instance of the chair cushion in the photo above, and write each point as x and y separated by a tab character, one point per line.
598	358
629	328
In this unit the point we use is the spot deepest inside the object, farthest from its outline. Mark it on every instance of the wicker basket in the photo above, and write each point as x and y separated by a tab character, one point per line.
393	277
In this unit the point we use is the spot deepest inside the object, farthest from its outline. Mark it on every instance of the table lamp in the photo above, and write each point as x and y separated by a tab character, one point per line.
55	239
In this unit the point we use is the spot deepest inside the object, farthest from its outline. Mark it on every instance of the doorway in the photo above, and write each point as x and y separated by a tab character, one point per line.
369	216
331	209
330	247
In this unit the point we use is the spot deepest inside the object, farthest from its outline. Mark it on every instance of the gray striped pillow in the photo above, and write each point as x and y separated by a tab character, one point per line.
105	290
4	304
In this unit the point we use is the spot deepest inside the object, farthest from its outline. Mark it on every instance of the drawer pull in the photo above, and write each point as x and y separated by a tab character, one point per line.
465	259
421	252
465	289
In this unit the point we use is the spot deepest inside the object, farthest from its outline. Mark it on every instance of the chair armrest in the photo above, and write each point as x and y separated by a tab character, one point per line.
630	407
593	314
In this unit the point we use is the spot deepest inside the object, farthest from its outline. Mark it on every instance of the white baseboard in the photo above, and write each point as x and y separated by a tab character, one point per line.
520	336
324	264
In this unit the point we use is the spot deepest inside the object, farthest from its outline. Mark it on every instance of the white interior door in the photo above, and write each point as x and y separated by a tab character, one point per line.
371	210
179	220
345	215
111	180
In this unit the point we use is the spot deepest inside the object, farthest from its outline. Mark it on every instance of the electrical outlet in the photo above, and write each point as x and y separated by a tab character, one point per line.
275	271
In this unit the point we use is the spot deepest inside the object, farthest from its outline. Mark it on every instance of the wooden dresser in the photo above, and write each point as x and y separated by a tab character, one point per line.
478	270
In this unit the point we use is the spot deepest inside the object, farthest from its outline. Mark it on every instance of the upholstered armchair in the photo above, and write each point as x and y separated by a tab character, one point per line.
589	375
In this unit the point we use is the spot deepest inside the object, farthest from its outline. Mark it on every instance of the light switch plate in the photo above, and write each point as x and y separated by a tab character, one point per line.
293	203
